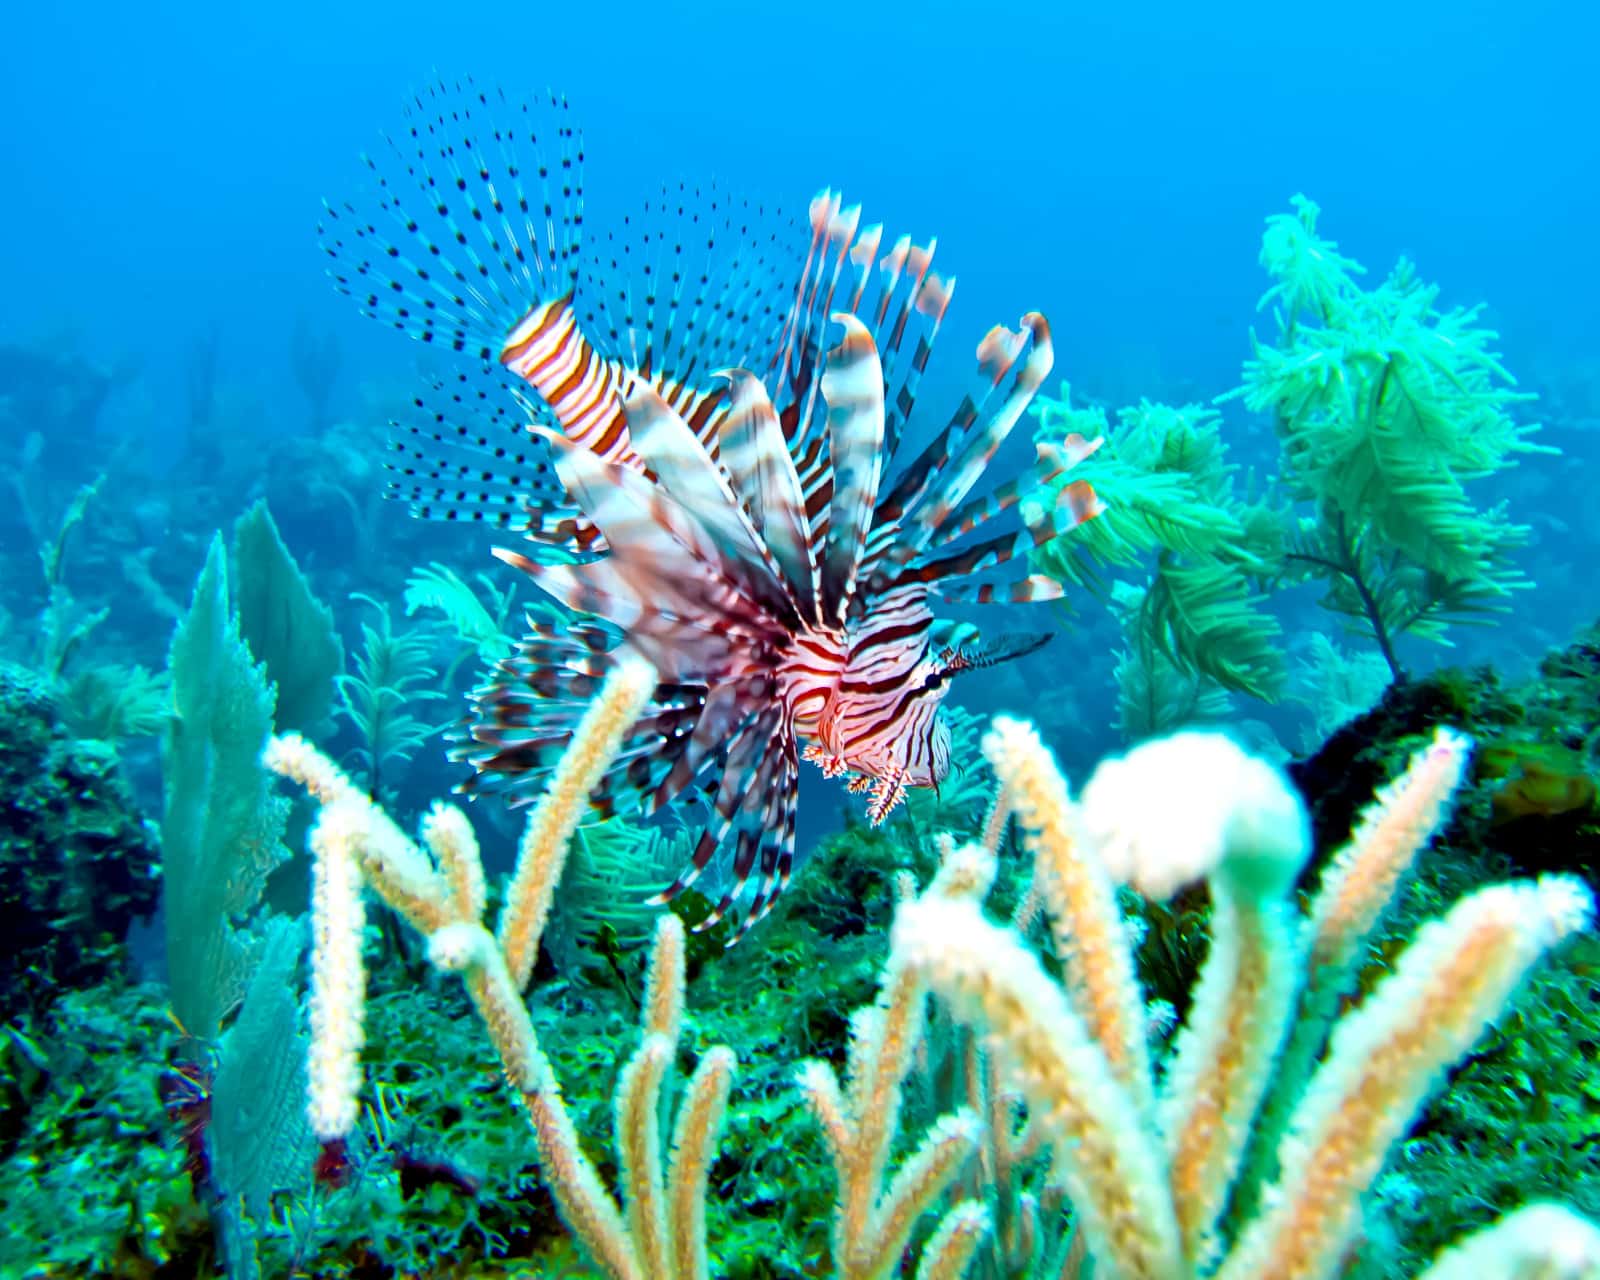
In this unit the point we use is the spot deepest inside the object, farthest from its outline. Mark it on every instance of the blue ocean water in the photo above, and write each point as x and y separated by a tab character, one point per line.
1108	164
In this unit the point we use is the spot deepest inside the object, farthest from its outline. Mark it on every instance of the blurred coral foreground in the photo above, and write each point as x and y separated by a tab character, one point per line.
1248	1157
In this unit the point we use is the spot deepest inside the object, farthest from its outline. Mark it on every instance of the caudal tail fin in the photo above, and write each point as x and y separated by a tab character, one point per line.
475	219
471	239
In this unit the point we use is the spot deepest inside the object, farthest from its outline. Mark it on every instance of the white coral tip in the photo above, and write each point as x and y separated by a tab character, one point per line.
1178	808
457	946
1567	903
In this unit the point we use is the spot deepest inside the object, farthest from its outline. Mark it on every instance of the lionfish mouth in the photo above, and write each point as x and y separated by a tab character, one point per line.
708	522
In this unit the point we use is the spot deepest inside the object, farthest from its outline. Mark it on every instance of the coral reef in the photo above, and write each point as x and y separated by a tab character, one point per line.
91	1181
1457	1170
78	865
1079	1054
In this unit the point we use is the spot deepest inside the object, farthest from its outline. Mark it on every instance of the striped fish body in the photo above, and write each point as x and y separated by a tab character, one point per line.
716	401
877	715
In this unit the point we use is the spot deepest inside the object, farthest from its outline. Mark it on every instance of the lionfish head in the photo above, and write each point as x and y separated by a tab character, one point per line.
904	736
886	719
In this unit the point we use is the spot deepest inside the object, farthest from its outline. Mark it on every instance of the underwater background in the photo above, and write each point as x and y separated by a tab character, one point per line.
1235	218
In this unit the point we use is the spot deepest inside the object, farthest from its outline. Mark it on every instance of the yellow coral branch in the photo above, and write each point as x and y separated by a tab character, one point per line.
446	831
664	979
1394	828
639	1147
543	851
950	1248
1080	899
948	1144
1223	1060
693	1140
1382	1061
1110	1164
338	978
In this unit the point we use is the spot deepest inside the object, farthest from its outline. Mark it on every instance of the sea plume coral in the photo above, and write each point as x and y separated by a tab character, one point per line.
1151	1183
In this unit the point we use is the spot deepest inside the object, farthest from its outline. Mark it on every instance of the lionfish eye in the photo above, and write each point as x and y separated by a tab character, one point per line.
933	681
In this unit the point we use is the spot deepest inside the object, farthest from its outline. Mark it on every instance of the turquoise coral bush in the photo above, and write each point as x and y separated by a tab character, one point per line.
1387	408
1202	545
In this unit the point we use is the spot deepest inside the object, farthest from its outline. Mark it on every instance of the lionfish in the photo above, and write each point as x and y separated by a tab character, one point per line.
702	477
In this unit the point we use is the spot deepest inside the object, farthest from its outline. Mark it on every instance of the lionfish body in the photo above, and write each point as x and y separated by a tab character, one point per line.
723	498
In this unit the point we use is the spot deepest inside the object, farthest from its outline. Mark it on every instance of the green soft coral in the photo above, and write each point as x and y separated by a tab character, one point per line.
288	629
381	696
1174	507
1386	408
437	586
221	826
1163	475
